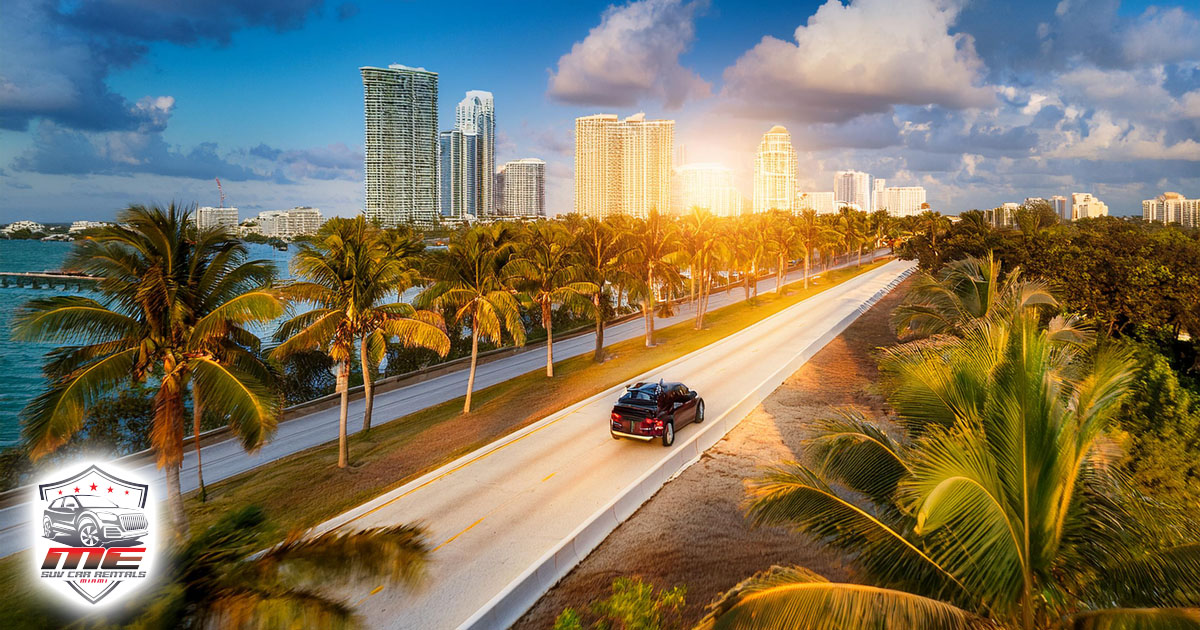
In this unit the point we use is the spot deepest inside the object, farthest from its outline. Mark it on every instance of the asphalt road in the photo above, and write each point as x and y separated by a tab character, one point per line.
495	513
226	458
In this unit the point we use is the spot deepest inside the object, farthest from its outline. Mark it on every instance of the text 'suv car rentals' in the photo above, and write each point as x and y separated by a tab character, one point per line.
95	529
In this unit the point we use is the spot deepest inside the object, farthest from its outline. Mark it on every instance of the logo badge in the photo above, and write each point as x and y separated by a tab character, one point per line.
94	533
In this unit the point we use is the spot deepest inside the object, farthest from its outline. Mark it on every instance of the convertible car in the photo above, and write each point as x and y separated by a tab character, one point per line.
655	410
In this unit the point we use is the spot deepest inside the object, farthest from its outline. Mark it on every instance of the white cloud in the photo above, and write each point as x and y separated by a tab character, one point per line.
633	55
858	58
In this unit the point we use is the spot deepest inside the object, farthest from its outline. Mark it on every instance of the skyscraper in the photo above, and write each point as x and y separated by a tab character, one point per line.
459	173
524	191
819	201
1061	207
879	195
903	201
709	186
623	167
401	169
476	114
852	188
1085	206
775	172
1172	207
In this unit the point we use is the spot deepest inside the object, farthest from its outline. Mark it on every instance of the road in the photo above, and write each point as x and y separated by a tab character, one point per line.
226	458
495	513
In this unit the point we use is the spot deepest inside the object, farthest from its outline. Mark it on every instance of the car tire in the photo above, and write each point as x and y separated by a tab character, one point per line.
700	411
48	528
668	437
89	533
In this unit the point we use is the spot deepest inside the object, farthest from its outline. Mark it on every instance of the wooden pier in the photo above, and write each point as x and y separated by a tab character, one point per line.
47	280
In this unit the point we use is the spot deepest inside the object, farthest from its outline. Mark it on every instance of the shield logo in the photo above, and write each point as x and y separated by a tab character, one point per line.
94	533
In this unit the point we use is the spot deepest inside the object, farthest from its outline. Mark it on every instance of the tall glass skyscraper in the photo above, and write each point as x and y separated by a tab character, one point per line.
775	172
400	109
459	174
852	188
524	190
477	114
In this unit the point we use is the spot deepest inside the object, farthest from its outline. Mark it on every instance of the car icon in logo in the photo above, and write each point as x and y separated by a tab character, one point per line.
92	520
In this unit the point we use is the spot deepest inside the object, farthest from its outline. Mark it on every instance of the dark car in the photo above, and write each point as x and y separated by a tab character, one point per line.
93	520
655	410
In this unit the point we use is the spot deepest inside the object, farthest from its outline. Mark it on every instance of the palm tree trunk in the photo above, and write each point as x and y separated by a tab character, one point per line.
343	382
197	414
474	359
599	356
368	388
648	309
779	275
549	339
175	501
807	256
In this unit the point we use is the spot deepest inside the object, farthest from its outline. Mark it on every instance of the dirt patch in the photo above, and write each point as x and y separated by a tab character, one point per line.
693	531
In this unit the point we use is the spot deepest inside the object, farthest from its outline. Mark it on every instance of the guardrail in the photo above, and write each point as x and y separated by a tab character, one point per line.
522	593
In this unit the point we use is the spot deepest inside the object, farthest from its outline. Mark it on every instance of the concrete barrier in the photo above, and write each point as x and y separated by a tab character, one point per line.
522	593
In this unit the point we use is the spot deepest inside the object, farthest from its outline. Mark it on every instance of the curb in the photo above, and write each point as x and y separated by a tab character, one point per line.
522	593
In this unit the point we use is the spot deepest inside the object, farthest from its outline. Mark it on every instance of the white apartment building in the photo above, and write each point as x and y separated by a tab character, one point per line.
17	226
852	188
207	217
775	172
708	186
822	202
79	226
1085	206
623	166
524	193
1172	207
476	114
401	158
879	195
299	221
903	201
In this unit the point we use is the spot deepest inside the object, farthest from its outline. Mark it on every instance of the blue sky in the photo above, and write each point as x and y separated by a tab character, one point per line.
110	102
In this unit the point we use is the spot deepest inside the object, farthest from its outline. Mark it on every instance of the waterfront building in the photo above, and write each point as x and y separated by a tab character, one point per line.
709	186
1061	207
524	192
623	166
1085	206
903	201
459	178
17	226
401	120
820	201
775	172
853	189
207	217
879	195
79	226
286	224
1172	207
476	114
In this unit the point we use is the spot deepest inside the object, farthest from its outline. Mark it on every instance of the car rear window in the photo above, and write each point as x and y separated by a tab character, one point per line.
88	501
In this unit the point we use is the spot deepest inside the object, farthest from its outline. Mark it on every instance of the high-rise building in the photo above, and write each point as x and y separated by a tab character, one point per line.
852	188
524	192
401	158
1061	207
209	217
623	167
1172	207
477	114
1085	206
708	186
879	195
459	174
820	201
1004	216
775	172
903	201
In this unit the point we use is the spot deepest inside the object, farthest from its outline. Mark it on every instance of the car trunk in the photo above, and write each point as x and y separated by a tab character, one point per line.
631	417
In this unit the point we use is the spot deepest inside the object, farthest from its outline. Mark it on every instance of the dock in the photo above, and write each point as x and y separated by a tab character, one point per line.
47	280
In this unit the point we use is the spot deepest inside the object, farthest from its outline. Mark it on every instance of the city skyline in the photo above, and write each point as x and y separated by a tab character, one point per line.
1025	109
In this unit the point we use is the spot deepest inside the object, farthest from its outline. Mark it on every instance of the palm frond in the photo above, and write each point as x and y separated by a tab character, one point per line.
50	419
857	453
1137	619
70	318
398	554
252	408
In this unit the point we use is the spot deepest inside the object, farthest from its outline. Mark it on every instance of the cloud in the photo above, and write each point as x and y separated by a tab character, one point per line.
335	161
633	55
861	58
58	55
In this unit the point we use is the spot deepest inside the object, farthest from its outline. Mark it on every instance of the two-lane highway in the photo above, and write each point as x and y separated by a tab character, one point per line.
495	513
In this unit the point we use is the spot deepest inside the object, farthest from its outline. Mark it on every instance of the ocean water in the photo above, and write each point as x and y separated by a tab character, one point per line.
21	363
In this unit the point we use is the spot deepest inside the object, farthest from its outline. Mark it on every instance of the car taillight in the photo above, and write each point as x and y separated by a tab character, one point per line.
616	416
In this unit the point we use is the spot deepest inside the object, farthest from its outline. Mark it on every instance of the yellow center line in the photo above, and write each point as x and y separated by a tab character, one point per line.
451	539
547	477
373	591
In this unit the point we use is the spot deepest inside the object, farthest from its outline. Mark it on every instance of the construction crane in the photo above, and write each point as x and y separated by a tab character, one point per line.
220	192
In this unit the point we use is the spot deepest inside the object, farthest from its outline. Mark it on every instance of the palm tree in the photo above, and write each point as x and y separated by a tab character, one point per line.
701	244
652	257
810	234
748	249
879	225
350	278
853	228
964	293
220	578
781	237
601	248
997	507
171	306
468	277
548	274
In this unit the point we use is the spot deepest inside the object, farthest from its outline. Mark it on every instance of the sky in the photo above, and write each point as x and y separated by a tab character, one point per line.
106	103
